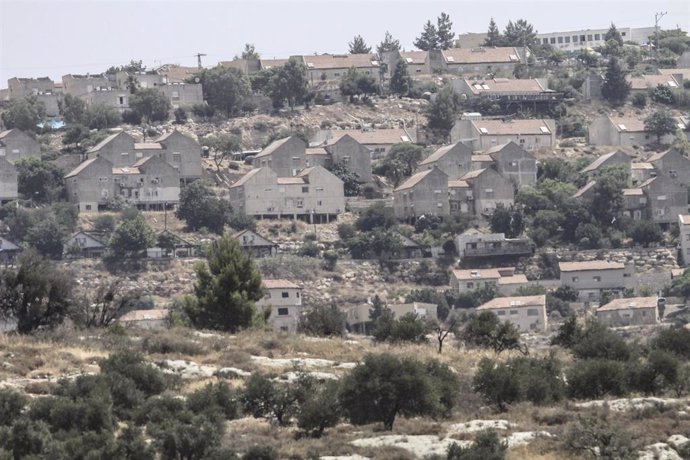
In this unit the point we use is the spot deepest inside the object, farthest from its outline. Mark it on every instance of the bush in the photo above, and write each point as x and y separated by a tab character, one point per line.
645	232
660	371
167	345
260	453
594	378
486	446
639	100
520	379
215	399
486	330
675	340
320	410
308	249
264	397
11	405
131	117
599	342
595	434
408	328
663	94
323	321
384	386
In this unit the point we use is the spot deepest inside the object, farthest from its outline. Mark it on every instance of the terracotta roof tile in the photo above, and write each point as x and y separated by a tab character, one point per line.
279	284
629	303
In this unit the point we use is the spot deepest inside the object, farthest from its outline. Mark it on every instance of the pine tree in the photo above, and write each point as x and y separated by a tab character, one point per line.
444	34
388	44
428	40
613	34
401	80
519	33
359	46
493	35
615	89
443	110
227	286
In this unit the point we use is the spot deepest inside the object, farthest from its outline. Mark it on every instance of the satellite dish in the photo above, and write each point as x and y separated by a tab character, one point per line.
196	80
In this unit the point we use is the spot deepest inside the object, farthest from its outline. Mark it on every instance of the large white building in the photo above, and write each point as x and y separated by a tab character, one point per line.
576	40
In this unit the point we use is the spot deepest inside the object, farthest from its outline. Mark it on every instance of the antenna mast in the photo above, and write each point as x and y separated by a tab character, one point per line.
198	58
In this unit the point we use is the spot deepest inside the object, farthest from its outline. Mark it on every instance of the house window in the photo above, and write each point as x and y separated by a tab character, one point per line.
582	38
88	207
121	100
545	41
553	40
661	198
299	202
305	189
125	154
575	279
102	179
574	38
470	285
501	313
532	312
297	294
336	74
673	173
319	189
597	37
589	37
597	279
285	294
560	39
319	203
567	39
283	311
522	141
513	312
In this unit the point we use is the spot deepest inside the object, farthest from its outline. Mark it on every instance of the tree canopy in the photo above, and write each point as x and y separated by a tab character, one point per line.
228	285
443	110
199	207
225	89
35	293
388	44
359	46
356	83
660	123
401	82
24	114
151	104
615	88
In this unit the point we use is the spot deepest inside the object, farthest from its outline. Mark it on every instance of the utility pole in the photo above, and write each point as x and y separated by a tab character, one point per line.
198	58
657	18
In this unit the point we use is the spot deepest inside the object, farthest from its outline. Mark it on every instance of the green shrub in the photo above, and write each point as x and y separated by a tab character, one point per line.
675	340
658	372
594	378
167	345
385	386
323	321
260	453
639	100
486	446
11	404
519	379
320	410
215	398
598	341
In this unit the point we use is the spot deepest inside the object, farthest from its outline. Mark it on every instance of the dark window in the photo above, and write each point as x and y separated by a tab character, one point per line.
553	40
285	295
597	36
282	312
560	39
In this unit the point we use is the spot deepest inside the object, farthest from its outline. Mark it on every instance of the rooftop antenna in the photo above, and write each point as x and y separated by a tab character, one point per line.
198	59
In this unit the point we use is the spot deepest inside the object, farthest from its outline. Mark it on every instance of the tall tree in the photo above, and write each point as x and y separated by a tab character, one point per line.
39	180
249	52
401	161
151	104
493	35
401	82
228	284
289	83
222	144
35	293
444	34
613	34
660	123
428	40
24	114
443	111
132	237
356	83
388	44
615	88
225	89
359	46
519	33
200	208
73	109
